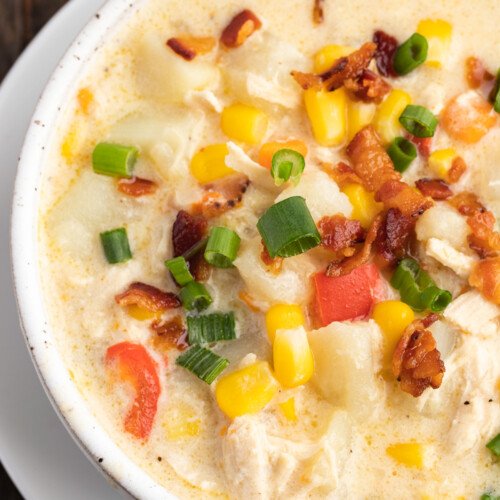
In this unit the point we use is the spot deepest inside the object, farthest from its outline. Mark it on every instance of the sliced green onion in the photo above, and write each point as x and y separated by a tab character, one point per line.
419	121
180	270
287	228
211	328
222	246
287	164
204	363
114	160
194	295
115	245
494	445
417	288
495	94
410	54
402	153
489	496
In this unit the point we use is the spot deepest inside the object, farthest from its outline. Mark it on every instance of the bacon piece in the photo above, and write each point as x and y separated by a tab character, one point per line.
222	195
350	263
340	234
368	87
319	11
484	240
170	334
240	28
467	203
274	265
137	187
486	278
397	194
342	174
307	80
199	267
187	231
437	189
457	169
416	362
476	73
147	297
188	47
423	144
393	237
384	55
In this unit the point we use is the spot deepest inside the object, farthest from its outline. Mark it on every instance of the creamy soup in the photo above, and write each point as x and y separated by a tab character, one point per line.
269	250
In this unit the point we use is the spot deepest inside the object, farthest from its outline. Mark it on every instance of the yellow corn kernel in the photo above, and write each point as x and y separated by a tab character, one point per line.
244	123
70	145
438	34
386	121
208	164
325	57
247	390
283	317
182	422
292	356
440	161
393	316
85	99
142	314
364	206
288	409
327	112
409	454
359	114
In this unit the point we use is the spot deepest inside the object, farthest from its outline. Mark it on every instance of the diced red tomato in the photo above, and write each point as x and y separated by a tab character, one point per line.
134	365
348	297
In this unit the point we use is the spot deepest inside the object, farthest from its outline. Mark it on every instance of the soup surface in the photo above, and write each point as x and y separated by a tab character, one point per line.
328	181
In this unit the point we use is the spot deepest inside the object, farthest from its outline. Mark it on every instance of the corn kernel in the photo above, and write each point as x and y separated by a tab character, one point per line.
268	150
208	164
438	34
244	123
288	409
325	57
392	316
359	114
142	314
386	121
409	454
283	317
364	206
247	390
70	145
293	359
85	99
441	160
327	112
182	422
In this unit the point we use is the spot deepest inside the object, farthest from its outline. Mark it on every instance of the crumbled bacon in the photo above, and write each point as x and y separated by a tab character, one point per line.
485	276
384	55
457	169
467	203
307	80
437	189
319	11
147	297
416	361
393	237
187	231
424	144
240	28
274	265
342	174
368	87
397	194
222	195
340	234
484	240
359	258
170	334
137	187
476	73
188	47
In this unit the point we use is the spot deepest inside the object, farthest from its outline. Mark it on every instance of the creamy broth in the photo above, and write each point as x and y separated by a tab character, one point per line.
352	411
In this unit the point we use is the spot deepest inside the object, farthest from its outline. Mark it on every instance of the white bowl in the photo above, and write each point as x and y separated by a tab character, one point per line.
61	390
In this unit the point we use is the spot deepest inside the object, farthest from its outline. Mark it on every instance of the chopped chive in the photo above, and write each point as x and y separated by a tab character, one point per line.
204	363
194	295
116	246
419	121
402	153
222	247
494	445
211	328
180	271
495	94
410	54
489	496
287	164
114	160
287	228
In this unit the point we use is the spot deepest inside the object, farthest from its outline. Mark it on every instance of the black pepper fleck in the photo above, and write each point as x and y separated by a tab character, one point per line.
101	460
159	459
466	403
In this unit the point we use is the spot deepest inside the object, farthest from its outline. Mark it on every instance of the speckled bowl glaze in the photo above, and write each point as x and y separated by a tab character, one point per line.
61	390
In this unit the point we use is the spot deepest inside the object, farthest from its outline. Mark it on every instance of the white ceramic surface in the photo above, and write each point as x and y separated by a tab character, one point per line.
53	374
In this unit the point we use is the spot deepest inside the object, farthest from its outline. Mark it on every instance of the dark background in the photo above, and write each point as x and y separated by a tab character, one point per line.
20	21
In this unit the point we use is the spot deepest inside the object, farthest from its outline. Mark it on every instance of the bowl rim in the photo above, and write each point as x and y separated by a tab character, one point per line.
62	392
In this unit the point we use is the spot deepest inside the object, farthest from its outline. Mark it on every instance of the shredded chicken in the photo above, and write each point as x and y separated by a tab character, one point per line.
188	47
137	187
240	28
147	297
